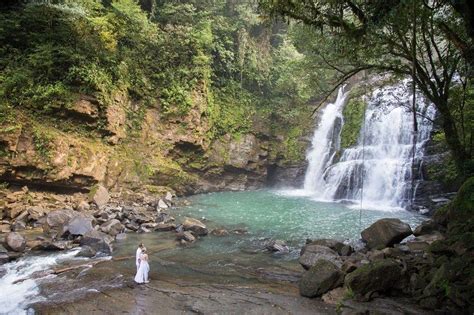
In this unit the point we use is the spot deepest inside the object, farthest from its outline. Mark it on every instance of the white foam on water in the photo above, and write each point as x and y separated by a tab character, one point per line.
15	297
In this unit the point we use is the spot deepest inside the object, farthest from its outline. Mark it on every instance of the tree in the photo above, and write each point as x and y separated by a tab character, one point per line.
380	35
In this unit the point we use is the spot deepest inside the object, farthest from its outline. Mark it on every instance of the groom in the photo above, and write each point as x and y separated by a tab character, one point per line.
139	252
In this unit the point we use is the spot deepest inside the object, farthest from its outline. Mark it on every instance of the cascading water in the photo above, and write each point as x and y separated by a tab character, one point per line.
325	143
378	170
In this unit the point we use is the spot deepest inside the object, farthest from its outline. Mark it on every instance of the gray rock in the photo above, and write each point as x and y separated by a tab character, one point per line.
278	246
98	241
141	218
162	204
86	251
341	248
120	236
56	219
56	245
162	227
375	255
15	241
320	278
133	226
79	225
35	213
164	218
196	226
186	236
19	225
3	250
385	232
150	225
169	196
143	229
378	276
426	227
99	195
4	258
112	227
310	254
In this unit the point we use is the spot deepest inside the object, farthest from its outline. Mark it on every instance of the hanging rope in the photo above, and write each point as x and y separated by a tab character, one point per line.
363	156
415	124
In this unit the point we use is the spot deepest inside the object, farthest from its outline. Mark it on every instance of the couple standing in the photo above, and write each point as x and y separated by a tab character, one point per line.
142	265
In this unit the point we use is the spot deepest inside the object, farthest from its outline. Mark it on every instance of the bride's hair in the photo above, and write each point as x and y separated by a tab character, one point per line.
141	245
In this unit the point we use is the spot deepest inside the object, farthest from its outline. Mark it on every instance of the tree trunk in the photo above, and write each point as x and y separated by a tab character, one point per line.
452	137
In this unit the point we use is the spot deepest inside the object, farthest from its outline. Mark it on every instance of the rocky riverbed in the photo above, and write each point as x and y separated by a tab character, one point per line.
411	270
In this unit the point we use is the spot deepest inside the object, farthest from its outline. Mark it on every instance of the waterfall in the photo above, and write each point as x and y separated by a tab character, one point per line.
325	143
379	167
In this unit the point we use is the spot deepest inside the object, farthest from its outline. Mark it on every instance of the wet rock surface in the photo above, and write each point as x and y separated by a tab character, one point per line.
196	226
320	278
15	241
310	254
380	276
385	232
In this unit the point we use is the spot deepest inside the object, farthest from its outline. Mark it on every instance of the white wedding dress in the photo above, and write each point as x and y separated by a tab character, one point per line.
142	273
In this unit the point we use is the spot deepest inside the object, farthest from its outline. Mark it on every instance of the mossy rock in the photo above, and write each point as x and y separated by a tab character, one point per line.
378	276
462	207
353	119
320	278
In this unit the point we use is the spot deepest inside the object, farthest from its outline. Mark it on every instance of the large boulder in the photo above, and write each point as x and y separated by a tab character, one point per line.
385	232
196	226
112	227
98	241
56	219
426	227
15	241
99	195
320	278
310	254
378	276
78	225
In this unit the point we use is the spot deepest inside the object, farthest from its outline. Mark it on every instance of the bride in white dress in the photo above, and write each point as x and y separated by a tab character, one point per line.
143	269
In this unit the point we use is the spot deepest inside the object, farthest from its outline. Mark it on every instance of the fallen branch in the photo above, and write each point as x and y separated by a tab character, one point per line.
90	264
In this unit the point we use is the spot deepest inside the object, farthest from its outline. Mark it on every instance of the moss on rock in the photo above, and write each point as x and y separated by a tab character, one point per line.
353	119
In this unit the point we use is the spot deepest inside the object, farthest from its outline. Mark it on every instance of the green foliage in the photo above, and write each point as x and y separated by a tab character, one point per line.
217	58
294	149
348	37
231	111
42	141
353	119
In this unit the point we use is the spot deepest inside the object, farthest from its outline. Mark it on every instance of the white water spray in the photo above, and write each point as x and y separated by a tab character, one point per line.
325	144
18	288
381	162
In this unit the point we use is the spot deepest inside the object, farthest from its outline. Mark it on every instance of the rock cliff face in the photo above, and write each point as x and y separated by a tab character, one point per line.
117	146
438	180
